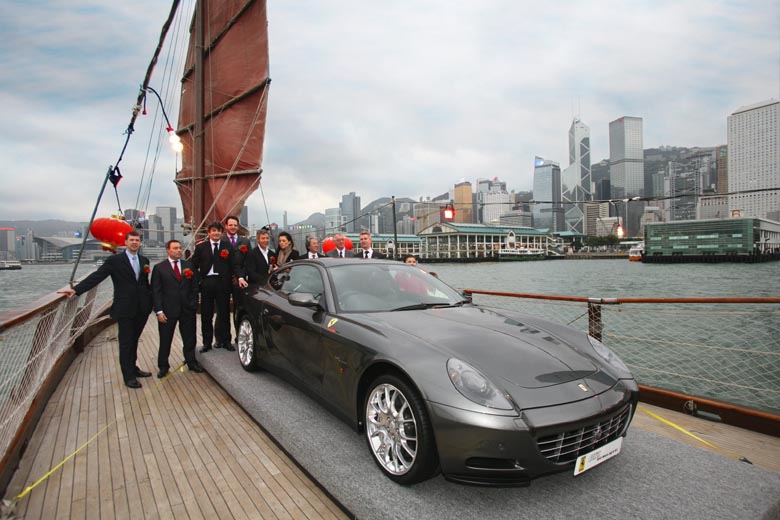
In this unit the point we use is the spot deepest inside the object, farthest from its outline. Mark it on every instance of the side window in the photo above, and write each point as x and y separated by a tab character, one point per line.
302	278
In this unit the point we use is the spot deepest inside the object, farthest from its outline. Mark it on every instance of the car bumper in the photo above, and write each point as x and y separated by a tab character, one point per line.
494	450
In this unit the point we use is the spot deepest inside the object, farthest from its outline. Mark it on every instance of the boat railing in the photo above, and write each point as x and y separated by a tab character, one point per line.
721	350
37	343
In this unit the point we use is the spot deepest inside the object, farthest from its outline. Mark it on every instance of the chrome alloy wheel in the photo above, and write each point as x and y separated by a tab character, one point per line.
391	429
245	341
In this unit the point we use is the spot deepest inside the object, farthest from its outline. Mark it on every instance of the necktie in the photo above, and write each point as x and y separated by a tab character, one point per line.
215	250
341	254
134	264
176	271
233	240
365	254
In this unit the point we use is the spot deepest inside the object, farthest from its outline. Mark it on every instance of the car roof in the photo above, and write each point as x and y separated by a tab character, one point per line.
330	262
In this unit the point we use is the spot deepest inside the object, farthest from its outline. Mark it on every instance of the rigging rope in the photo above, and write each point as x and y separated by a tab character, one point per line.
113	173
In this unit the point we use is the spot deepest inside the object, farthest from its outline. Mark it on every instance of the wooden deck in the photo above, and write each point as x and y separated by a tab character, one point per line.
181	447
178	447
760	449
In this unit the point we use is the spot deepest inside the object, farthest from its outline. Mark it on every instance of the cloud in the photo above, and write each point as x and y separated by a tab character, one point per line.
401	98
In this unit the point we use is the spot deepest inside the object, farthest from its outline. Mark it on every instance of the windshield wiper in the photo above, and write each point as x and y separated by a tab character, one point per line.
423	306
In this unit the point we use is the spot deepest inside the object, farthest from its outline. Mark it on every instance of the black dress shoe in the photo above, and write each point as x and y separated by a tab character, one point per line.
195	367
218	345
205	348
162	373
141	373
132	383
229	347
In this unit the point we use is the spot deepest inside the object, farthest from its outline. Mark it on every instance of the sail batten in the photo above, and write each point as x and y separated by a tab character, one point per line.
236	81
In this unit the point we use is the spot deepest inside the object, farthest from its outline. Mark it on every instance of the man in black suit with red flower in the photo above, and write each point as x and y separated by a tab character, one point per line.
129	272
259	262
212	262
175	296
240	247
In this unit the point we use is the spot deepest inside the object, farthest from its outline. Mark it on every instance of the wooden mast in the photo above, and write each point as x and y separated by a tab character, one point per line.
198	185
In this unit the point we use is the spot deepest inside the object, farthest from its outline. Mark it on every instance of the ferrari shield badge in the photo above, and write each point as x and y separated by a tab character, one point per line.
331	323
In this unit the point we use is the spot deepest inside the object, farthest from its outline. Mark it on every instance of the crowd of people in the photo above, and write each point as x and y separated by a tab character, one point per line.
216	271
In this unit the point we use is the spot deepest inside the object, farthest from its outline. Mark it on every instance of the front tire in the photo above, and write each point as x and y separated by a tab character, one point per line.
246	341
399	432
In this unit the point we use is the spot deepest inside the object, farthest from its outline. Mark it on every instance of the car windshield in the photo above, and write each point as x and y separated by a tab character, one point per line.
364	287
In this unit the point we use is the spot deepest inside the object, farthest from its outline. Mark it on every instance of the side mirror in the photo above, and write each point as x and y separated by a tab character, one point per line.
467	296
302	299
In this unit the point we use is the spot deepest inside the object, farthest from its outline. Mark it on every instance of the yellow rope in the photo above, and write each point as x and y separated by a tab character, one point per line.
29	488
686	432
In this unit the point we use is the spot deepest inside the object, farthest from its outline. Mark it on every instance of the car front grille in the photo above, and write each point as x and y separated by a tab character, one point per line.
565	447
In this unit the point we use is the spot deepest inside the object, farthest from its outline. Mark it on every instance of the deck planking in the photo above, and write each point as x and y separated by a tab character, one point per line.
177	447
760	449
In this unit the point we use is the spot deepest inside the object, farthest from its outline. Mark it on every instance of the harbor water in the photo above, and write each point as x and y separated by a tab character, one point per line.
726	352
591	278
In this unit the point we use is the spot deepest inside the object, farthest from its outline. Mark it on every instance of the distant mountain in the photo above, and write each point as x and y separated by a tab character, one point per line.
45	228
315	219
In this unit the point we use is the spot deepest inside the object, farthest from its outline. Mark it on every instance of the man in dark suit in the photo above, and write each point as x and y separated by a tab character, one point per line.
212	262
340	251
259	262
367	247
175	296
132	303
312	249
240	248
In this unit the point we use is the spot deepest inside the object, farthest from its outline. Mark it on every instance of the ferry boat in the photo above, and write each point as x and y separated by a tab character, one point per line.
637	252
520	253
10	265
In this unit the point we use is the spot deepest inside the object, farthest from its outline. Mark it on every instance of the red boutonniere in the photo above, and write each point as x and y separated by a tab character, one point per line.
272	260
243	248
147	270
224	253
188	273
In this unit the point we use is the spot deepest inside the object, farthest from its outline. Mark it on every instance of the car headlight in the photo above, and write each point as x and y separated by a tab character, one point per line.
476	387
607	355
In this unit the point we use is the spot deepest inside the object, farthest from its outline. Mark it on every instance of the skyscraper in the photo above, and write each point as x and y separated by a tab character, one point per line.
627	169
334	222
167	216
626	157
754	160
463	203
547	188
350	211
493	200
575	179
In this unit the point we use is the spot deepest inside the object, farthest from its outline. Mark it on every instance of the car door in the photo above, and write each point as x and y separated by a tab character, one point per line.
293	333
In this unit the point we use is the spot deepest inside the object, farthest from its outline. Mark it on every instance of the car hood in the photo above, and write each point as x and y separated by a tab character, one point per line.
504	348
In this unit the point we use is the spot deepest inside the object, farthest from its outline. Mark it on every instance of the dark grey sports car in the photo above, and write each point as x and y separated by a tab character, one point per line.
486	396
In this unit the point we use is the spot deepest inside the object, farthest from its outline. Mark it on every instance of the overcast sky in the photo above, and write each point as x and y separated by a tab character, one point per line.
381	98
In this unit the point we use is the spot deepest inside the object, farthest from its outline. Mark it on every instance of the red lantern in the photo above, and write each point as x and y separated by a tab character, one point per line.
110	231
329	245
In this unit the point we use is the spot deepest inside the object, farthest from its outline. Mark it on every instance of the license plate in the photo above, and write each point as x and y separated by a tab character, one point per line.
597	456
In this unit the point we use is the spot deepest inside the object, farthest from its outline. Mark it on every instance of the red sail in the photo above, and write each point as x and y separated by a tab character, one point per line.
235	78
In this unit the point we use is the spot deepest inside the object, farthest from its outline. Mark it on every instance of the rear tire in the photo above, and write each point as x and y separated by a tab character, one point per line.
399	432
246	343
